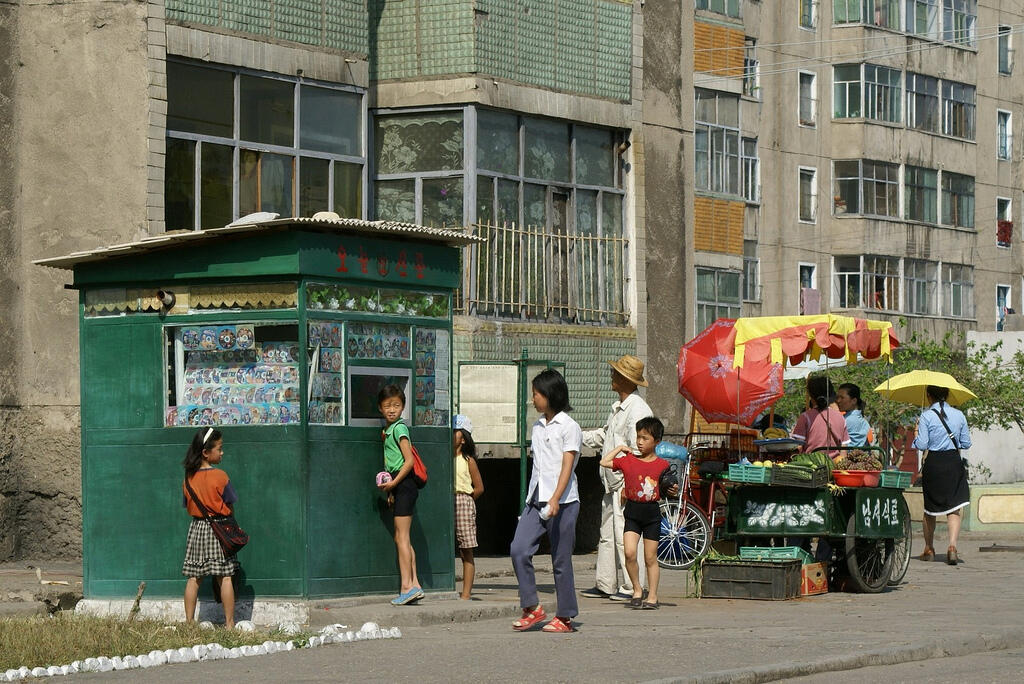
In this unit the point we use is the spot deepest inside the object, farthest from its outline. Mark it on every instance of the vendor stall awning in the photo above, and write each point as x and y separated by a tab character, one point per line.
776	339
344	226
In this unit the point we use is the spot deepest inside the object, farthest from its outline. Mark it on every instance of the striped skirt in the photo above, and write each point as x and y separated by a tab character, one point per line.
204	554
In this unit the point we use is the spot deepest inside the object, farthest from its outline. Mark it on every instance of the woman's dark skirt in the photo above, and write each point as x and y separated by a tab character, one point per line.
944	480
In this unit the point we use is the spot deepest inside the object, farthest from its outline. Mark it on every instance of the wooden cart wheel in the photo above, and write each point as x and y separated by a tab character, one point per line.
901	547
685	535
869	561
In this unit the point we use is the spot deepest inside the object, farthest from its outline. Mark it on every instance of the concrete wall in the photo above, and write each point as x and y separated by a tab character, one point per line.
667	159
1002	451
74	122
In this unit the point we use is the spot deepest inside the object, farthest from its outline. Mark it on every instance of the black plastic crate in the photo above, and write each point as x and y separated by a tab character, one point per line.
768	581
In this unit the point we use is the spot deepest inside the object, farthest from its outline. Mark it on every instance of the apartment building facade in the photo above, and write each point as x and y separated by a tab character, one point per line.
857	156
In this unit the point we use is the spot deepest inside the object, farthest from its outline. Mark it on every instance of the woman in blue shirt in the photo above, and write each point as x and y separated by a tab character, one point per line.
941	433
849	402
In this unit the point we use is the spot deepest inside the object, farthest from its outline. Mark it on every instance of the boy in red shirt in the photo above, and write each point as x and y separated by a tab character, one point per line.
642	514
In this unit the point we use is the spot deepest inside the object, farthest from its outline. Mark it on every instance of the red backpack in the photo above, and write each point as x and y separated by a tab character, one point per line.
419	470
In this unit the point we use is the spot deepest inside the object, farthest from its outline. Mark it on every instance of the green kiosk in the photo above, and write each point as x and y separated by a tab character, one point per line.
280	333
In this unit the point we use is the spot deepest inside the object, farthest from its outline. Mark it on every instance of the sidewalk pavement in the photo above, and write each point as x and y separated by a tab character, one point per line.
937	612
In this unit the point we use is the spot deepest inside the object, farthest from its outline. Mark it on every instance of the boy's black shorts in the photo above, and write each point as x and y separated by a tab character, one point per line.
405	493
644	518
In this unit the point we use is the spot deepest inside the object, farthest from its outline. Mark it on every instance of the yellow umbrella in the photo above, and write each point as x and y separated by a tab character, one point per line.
910	387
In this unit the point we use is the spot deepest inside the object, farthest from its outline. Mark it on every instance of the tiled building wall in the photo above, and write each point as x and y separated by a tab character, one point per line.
412	40
575	46
585	357
332	24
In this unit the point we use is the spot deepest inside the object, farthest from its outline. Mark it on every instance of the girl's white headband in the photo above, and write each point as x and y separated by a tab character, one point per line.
209	432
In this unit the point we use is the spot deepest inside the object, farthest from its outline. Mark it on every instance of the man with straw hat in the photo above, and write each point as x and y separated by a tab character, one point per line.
627	373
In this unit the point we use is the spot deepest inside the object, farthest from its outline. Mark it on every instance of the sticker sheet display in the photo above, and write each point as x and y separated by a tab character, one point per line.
230	379
430	389
378	341
326	358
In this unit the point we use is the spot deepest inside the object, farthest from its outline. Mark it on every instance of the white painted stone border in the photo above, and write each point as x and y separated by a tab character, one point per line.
331	634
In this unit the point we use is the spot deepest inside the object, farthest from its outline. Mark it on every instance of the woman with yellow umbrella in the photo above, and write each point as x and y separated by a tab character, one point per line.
941	434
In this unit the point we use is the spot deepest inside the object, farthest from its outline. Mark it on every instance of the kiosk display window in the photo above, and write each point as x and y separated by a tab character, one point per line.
326	358
379	342
238	374
431	391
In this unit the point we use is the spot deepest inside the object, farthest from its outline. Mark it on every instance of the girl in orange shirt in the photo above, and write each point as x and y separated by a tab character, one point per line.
203	552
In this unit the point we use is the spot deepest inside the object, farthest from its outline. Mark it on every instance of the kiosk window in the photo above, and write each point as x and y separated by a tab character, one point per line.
364	383
326	372
237	374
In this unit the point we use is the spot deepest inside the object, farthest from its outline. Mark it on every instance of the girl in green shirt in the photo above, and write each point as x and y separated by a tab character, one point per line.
401	490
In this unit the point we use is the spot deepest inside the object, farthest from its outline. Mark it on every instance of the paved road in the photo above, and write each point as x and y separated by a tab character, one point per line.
986	668
691	639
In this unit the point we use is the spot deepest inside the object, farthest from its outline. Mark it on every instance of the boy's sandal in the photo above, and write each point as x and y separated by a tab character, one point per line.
636	602
650	606
558	625
529	619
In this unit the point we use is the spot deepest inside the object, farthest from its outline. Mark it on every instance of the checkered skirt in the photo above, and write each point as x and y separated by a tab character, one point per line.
465	521
204	554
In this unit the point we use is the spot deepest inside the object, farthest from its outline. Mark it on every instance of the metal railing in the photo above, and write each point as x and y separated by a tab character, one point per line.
535	273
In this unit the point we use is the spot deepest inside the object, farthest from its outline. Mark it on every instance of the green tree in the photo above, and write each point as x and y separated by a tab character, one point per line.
980	367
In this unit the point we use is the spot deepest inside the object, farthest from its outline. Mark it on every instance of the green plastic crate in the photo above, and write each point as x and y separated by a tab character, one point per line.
896	479
749	473
774	553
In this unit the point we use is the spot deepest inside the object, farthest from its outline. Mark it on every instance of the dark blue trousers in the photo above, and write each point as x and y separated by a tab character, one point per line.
561	531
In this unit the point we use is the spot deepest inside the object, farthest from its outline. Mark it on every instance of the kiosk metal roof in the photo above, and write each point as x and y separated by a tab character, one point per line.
348	226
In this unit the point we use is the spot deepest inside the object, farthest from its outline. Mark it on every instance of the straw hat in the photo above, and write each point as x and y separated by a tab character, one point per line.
630	368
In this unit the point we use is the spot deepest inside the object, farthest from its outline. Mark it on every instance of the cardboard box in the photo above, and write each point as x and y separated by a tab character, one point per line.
814	579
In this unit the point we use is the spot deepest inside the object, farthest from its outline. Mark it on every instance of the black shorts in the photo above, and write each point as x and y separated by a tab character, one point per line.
644	518
405	493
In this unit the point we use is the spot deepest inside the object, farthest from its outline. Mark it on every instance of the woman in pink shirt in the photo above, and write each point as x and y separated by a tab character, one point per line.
821	425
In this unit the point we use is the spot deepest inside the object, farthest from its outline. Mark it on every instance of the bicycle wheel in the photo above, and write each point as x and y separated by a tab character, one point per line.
901	547
685	535
869	561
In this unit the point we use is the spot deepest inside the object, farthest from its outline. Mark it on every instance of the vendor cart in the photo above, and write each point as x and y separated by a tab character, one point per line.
863	531
862	525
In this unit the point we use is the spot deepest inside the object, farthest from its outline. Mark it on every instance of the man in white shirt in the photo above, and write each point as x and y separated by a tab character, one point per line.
620	428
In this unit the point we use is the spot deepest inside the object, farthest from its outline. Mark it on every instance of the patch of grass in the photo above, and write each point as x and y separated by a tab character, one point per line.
45	641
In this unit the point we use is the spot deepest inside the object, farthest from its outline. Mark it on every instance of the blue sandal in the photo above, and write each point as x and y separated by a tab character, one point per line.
413	594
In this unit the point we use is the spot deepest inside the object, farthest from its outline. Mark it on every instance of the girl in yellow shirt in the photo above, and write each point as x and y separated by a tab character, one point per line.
468	488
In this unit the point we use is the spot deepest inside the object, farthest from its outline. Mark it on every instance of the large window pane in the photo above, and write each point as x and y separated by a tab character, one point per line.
179	184
921	194
314	186
846	91
200	100
395	200
266	110
265	182
348	190
442	202
846	175
497	141
215	181
418	142
485	200
547	150
330	121
508	202
535	210
595	156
